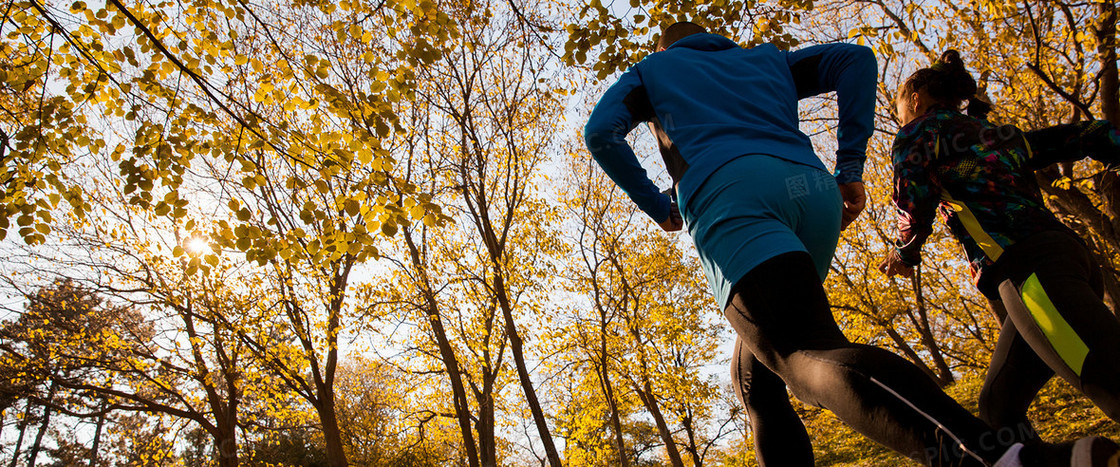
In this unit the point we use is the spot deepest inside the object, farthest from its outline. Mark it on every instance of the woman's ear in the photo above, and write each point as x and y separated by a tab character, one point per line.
916	102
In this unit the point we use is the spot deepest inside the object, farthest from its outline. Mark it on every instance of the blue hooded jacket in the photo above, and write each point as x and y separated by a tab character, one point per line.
709	101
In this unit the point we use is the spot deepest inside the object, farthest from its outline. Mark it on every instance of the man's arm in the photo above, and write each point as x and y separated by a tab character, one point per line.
850	71
1097	140
622	108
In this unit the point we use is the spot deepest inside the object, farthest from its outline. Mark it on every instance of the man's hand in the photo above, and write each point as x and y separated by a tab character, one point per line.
893	265
855	199
674	222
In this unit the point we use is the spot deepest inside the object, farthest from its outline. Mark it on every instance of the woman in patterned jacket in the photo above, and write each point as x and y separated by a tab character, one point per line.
981	179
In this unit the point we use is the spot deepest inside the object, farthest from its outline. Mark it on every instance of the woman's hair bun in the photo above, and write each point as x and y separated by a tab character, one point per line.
952	59
954	82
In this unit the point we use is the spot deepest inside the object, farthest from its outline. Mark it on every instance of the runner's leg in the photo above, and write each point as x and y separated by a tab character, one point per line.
779	436
1014	378
780	311
1058	311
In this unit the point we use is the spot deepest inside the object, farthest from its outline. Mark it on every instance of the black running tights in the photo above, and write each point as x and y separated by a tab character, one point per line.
1056	323
782	316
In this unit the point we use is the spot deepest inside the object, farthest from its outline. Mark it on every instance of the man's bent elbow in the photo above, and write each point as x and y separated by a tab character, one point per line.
597	136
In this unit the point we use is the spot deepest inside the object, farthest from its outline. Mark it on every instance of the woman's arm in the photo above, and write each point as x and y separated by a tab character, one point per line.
1097	140
916	192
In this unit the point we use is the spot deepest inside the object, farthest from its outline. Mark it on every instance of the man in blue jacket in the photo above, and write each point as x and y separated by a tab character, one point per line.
765	216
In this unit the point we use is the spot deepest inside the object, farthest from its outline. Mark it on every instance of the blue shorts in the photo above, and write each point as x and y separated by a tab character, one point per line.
756	207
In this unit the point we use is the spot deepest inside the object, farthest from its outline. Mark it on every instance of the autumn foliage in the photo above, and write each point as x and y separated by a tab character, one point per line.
332	233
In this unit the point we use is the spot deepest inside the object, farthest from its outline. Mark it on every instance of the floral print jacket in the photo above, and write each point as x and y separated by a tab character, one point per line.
981	179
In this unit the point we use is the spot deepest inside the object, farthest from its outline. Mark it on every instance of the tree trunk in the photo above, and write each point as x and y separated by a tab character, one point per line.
458	390
691	447
902	345
650	401
23	424
1106	48
487	443
332	435
608	392
944	374
616	421
645	393
324	377
43	425
1094	224
227	425
226	445
93	450
1101	253
523	370
1109	183
446	354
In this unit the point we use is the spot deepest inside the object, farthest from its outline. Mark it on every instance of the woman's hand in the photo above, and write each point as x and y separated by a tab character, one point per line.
893	265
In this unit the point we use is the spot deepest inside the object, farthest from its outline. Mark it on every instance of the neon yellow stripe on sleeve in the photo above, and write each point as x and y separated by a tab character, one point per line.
986	242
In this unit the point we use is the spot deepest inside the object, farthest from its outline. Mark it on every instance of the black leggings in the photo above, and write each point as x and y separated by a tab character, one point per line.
780	439
782	316
1051	289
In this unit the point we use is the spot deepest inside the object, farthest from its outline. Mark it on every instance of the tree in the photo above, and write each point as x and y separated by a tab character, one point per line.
936	320
1042	62
617	38
230	106
250	189
637	324
384	421
183	361
140	440
1031	61
64	336
485	134
40	130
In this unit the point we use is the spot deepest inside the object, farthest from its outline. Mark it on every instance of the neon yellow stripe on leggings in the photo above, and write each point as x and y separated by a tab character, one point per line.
1061	335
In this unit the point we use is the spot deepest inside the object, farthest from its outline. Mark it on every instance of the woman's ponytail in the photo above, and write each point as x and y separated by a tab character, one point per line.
978	108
